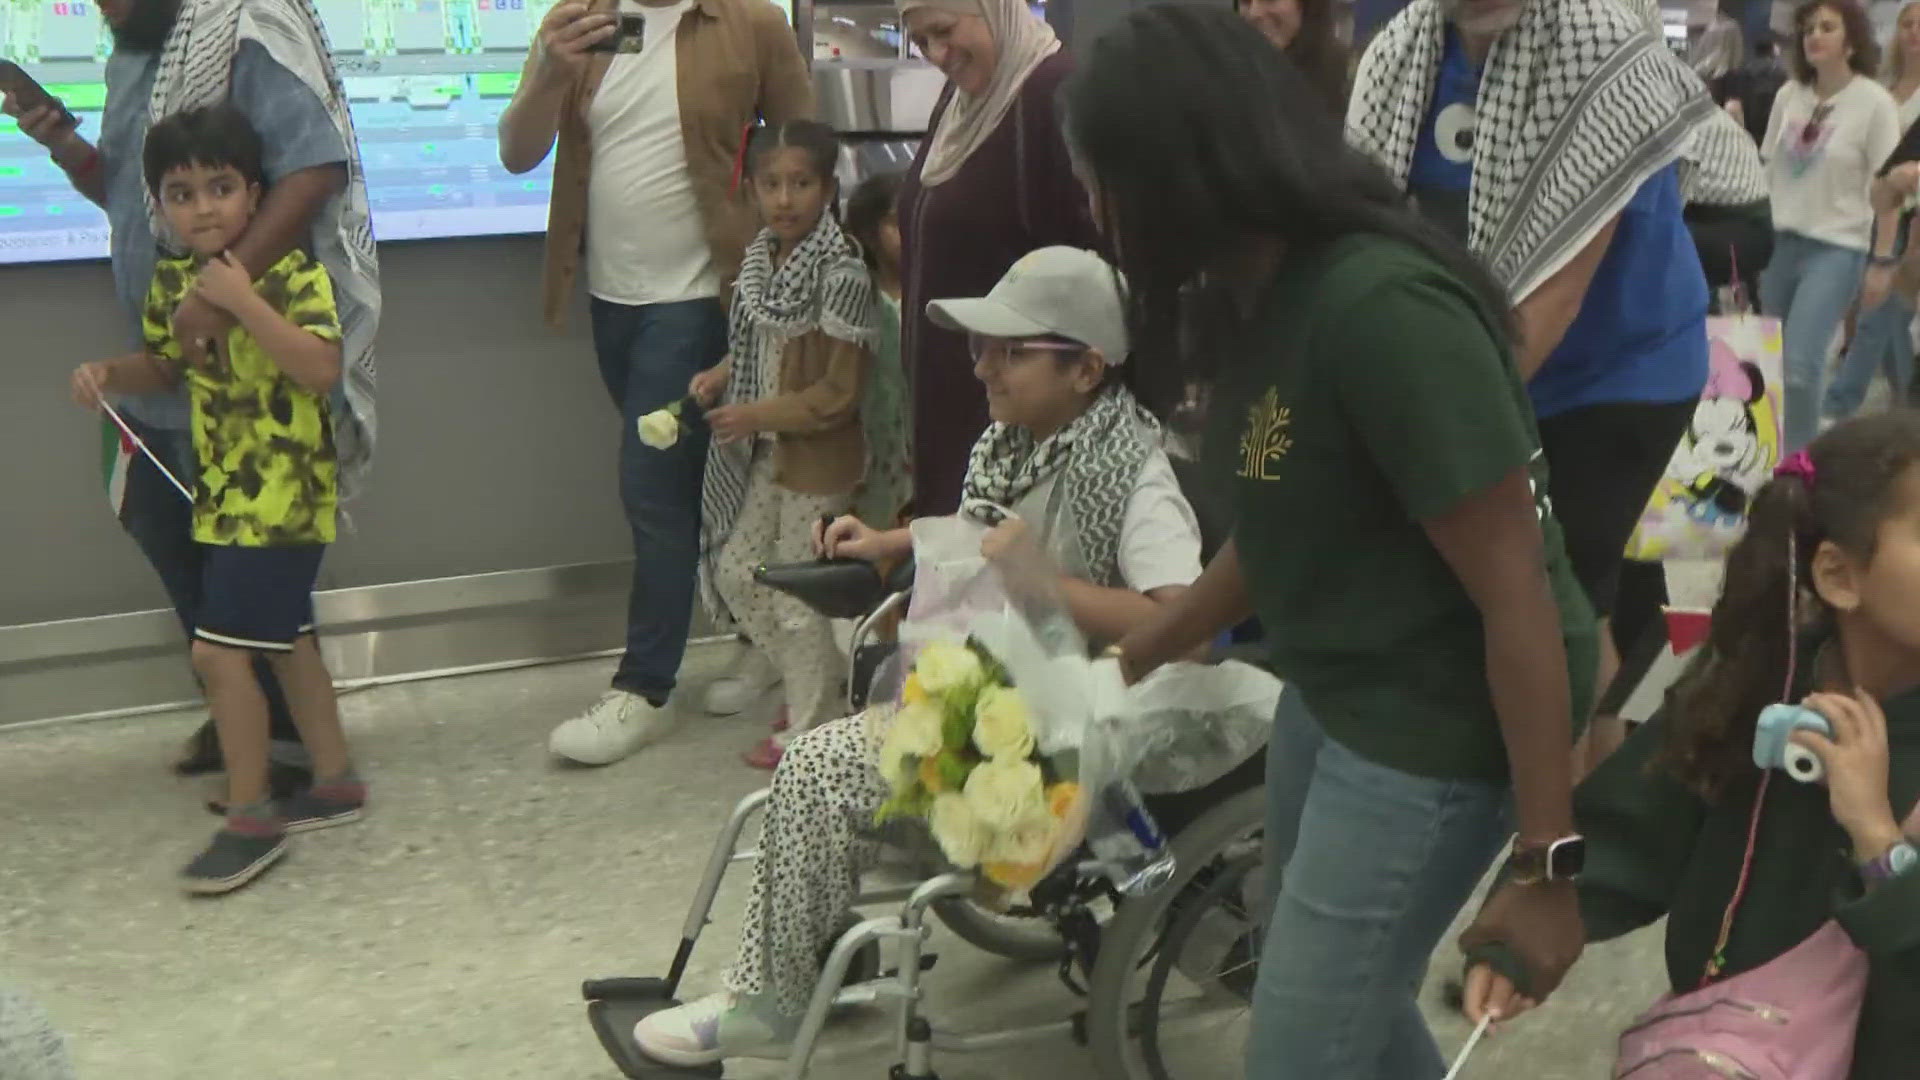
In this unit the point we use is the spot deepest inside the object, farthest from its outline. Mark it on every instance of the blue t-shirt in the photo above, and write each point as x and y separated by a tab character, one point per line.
296	133
1641	332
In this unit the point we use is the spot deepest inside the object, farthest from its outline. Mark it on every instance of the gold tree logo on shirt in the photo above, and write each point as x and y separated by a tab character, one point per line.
1265	440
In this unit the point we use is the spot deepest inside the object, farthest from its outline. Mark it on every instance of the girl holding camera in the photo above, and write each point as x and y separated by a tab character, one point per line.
1821	608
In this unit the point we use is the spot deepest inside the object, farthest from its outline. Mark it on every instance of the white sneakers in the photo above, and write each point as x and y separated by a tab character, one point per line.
715	1027
614	727
733	694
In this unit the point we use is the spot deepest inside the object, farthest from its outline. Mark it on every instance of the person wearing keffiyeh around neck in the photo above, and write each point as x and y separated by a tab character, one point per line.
1552	137
1073	464
270	59
784	409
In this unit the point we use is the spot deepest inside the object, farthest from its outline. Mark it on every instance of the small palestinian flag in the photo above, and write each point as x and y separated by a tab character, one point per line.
116	458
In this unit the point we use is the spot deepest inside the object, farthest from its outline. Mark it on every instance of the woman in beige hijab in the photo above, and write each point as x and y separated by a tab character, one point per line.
991	183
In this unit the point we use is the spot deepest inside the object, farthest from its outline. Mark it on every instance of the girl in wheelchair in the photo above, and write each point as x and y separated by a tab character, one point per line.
1078	463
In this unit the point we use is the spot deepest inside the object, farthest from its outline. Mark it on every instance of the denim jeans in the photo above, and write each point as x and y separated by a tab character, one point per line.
1368	867
648	355
161	523
1882	342
1809	285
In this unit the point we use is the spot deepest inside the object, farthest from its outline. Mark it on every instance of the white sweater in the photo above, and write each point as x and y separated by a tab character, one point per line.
1822	158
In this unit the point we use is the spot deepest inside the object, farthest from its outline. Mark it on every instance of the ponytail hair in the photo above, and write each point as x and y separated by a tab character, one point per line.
1849	488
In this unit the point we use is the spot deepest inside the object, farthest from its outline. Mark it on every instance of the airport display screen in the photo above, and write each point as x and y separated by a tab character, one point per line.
426	81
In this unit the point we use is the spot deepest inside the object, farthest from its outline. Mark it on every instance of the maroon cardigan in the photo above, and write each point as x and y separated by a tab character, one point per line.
1014	194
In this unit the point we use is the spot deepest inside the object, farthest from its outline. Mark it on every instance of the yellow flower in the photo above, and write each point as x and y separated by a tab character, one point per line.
913	733
946	666
659	429
1013	875
1061	797
911	692
930	775
961	836
1001	727
1006	793
1026	844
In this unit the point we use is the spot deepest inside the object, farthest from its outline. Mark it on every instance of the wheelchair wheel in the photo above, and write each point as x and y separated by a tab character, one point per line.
1171	995
1016	938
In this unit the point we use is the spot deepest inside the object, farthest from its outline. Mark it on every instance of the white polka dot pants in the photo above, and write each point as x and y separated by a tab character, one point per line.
812	848
776	526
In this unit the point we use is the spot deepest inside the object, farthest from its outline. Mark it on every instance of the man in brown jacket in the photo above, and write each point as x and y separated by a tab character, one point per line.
650	102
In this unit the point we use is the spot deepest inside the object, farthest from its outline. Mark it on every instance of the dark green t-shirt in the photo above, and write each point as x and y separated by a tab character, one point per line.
1369	394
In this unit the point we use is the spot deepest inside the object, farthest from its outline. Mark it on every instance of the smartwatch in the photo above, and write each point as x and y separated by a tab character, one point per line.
1559	860
1898	859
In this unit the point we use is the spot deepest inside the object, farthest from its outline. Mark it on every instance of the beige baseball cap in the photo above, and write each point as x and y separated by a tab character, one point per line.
1063	291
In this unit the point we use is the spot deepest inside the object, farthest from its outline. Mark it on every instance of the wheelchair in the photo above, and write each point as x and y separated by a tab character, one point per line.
1164	981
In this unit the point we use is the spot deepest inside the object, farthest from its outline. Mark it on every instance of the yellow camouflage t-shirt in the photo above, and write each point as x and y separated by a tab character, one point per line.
264	445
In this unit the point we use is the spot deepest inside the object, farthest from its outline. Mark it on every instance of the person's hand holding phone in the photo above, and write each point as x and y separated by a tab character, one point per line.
569	36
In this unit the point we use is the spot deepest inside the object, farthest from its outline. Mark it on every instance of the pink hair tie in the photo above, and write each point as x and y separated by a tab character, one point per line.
1797	464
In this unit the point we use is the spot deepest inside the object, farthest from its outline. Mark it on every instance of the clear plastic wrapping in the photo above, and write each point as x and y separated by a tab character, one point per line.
1017	748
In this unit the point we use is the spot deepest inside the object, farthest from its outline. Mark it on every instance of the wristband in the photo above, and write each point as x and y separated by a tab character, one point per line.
1884	260
86	167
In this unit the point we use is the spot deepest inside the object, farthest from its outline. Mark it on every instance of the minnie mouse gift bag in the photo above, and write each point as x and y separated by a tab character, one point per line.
1699	507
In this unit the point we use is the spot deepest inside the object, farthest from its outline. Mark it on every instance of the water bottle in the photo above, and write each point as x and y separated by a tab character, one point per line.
1129	844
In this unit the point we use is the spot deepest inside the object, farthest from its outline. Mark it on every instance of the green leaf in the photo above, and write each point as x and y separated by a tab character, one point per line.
954	770
956	723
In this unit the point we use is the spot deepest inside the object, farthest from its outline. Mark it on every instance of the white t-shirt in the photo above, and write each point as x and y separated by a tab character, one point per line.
1822	158
645	240
1159	533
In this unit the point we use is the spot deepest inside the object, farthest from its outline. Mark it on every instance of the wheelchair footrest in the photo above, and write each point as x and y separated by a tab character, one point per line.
614	1006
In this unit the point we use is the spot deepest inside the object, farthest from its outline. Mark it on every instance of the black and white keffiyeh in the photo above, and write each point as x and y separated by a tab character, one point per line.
1578	105
822	285
1097	457
195	70
1721	166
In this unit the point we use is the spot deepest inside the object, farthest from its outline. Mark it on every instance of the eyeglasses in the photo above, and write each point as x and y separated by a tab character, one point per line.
1002	350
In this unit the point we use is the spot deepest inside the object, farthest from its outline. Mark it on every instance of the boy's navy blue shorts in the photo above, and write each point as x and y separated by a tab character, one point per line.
257	598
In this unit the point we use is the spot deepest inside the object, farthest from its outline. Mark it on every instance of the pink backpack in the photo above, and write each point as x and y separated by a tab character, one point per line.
1791	1019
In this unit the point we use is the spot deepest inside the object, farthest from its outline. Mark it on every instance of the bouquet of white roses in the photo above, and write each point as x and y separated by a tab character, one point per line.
961	755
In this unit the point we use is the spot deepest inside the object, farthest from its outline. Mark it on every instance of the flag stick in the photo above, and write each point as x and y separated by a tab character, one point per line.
145	449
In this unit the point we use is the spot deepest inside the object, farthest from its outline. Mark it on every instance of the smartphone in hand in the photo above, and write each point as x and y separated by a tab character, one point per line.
27	93
629	36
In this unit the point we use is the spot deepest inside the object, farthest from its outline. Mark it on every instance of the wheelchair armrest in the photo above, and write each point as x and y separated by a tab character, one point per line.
901	579
836	588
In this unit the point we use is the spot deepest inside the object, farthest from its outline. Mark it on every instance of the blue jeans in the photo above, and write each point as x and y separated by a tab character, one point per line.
161	523
1368	867
648	355
1809	285
1883	341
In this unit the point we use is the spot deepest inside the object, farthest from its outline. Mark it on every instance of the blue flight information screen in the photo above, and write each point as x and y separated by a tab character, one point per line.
426	81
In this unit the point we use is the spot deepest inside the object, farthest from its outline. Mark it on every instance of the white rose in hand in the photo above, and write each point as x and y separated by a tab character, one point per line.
963	839
915	732
1002	726
945	666
660	429
1007	793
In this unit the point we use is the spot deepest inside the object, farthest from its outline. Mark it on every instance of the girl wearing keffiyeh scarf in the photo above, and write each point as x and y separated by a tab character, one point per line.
788	447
